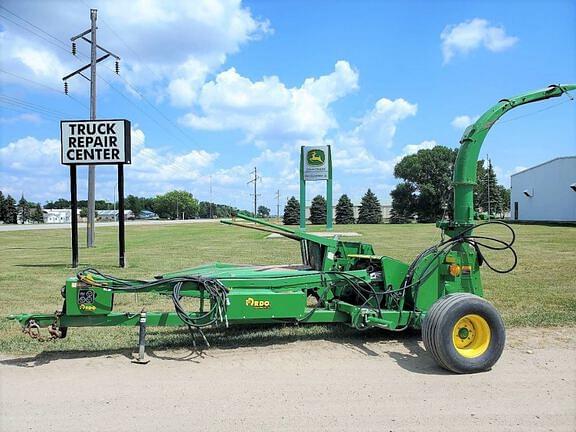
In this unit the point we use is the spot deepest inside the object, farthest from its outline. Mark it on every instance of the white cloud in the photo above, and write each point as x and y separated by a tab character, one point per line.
355	151
415	148
472	34
463	121
267	109
32	166
168	47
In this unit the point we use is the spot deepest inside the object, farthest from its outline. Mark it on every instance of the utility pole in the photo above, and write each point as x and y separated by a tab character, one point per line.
94	60
255	181
210	197
278	205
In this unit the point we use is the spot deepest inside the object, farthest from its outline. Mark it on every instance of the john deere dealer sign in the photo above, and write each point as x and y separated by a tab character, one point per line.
315	163
97	142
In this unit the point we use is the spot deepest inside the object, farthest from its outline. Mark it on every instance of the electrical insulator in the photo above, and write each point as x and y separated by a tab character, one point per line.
65	87
73	48
117	67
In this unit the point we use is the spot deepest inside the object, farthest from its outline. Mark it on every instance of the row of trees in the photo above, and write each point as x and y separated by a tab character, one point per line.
370	211
175	204
178	204
23	212
426	190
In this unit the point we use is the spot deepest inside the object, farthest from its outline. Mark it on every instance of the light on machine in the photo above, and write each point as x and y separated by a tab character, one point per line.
454	270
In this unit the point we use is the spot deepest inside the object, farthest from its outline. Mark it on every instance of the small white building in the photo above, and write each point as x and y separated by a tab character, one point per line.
58	215
112	215
545	192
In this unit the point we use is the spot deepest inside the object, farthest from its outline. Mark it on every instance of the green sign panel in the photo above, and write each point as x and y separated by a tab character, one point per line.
315	165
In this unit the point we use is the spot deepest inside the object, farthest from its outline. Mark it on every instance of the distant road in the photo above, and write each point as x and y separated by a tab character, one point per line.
102	224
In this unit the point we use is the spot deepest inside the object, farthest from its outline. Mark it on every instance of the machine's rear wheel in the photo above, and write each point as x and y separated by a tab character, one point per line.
464	333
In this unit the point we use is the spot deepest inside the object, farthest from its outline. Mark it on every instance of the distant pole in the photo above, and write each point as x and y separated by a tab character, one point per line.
210	197
255	181
278	205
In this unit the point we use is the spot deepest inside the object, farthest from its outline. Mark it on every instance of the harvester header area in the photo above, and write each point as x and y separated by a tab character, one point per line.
337	281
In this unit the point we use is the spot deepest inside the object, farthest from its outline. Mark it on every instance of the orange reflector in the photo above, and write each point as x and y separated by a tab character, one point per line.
454	270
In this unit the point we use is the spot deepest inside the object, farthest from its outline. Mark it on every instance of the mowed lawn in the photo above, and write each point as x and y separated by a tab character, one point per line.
541	291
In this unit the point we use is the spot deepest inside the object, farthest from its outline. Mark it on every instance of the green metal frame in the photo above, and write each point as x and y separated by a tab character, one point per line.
350	284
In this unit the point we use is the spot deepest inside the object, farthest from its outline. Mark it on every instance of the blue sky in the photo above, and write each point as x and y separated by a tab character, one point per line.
214	88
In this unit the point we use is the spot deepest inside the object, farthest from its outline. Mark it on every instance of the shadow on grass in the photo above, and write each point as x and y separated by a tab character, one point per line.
38	248
65	266
176	345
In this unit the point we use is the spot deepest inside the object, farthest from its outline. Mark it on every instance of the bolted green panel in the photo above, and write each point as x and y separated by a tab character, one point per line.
82	299
265	304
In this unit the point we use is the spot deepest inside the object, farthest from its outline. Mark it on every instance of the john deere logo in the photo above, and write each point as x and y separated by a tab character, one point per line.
315	157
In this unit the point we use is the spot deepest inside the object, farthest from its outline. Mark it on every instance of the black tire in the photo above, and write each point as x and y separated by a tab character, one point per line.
464	319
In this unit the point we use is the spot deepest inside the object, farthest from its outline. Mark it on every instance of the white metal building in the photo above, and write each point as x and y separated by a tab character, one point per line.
58	215
545	192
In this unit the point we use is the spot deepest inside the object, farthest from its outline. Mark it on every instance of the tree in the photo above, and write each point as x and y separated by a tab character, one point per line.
318	211
136	204
291	212
429	173
60	203
10	211
23	210
173	204
504	194
344	210
263	211
2	206
404	202
370	211
37	215
489	196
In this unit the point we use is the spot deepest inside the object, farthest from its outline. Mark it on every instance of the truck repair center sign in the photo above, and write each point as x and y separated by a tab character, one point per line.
91	142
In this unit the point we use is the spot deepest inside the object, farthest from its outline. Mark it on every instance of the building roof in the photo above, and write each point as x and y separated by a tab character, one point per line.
543	163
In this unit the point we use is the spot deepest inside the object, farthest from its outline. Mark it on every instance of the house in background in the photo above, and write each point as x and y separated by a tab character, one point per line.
58	215
112	215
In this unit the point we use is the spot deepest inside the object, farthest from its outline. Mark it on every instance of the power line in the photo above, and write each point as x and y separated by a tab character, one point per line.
34	33
131	86
54	89
24	102
18	108
33	25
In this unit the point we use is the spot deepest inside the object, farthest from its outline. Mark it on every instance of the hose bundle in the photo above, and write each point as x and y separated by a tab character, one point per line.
217	294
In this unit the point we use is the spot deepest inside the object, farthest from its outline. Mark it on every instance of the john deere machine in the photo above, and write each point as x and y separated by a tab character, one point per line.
338	281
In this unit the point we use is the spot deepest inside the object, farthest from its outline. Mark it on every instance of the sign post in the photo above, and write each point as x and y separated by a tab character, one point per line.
96	142
316	165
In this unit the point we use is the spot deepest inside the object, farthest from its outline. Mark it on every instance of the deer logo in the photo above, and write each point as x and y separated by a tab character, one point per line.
315	157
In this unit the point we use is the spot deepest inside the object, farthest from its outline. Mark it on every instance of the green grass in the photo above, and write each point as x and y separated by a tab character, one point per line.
34	264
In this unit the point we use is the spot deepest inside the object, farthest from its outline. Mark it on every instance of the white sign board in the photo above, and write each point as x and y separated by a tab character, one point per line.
316	162
95	142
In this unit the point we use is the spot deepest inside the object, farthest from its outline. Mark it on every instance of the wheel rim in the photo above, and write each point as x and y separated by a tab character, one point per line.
471	336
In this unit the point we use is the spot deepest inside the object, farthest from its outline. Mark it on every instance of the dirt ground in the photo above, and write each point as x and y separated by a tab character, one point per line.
387	385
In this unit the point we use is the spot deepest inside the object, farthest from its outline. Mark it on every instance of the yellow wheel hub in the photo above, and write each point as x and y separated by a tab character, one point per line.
471	336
